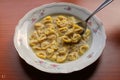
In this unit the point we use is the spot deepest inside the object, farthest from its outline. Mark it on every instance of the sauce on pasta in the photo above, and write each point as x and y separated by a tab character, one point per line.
57	38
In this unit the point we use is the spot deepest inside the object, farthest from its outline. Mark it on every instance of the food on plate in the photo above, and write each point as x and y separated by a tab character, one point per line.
58	38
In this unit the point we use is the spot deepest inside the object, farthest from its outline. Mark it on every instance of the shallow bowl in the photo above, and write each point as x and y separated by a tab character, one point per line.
25	27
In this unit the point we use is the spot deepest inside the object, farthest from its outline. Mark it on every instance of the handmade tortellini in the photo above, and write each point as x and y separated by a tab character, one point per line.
86	34
33	42
61	57
66	39
34	35
63	29
45	45
76	38
62	50
54	57
52	37
50	52
83	48
72	56
42	37
58	38
61	21
61	17
38	26
54	45
77	28
41	54
36	47
47	19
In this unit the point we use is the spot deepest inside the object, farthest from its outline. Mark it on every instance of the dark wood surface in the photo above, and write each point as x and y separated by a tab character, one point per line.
12	67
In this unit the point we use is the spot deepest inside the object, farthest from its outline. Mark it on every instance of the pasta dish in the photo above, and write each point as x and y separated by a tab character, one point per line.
58	38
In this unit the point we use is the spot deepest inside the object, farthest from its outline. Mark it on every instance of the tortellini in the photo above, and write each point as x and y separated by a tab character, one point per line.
83	48
42	37
53	57
54	45
66	39
61	57
38	26
77	28
33	42
45	45
36	47
41	54
50	52
76	38
47	19
34	35
58	38
72	56
61	21
86	34
63	29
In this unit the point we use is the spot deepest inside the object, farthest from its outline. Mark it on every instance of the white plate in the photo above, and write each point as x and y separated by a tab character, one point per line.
25	26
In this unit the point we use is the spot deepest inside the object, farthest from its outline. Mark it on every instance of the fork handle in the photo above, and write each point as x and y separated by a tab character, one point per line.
105	3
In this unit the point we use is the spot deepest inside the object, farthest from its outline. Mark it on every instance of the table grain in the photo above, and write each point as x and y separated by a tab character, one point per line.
12	67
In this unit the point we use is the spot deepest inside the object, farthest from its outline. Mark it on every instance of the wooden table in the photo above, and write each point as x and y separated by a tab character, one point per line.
12	67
